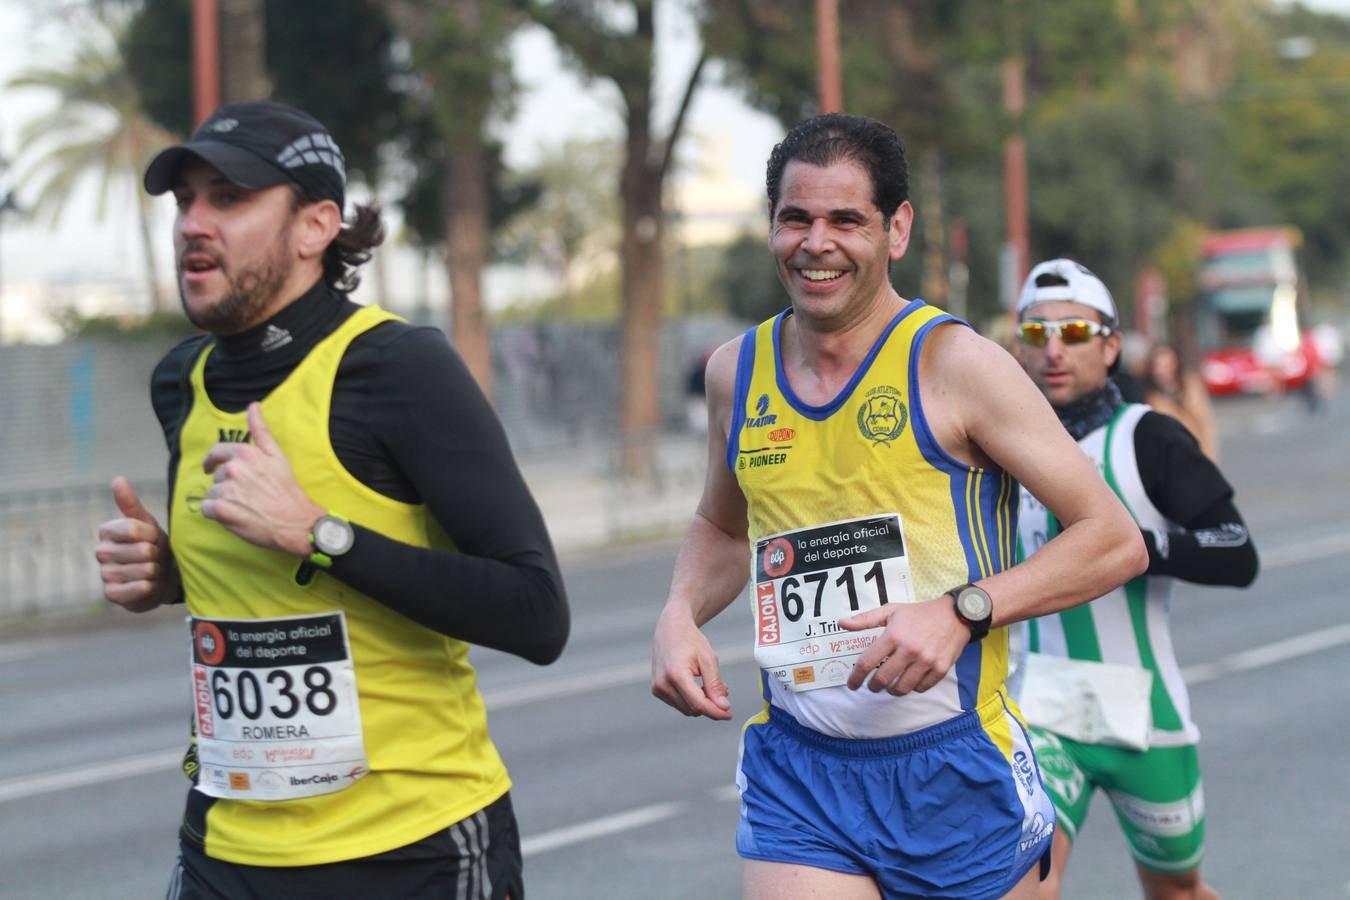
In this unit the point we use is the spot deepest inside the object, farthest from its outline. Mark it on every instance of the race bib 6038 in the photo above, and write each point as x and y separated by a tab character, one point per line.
276	707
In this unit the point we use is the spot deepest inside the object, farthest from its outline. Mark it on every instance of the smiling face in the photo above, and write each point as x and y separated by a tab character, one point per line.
829	242
234	249
1067	372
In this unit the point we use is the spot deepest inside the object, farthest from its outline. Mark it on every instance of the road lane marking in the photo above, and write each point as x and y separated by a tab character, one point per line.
1268	654
1275	558
502	698
603	827
1305	551
82	776
38	647
624	821
1246	660
620	675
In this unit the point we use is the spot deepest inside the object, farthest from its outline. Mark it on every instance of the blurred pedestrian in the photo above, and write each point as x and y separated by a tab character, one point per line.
696	394
1180	392
345	519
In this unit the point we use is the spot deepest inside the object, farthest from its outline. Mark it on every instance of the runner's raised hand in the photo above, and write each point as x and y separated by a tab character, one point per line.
134	559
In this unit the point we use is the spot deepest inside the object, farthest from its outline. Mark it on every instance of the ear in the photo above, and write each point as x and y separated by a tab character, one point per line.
769	205
902	220
1111	347
316	225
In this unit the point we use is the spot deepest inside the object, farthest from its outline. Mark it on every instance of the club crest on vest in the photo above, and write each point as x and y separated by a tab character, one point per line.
882	416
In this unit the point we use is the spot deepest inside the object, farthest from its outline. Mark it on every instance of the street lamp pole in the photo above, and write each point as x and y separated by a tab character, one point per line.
205	59
1013	261
827	56
1015	172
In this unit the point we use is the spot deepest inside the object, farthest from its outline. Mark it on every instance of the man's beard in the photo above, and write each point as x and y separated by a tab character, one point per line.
247	294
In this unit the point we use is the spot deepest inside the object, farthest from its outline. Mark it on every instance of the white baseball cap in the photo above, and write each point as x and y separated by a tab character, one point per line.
1083	287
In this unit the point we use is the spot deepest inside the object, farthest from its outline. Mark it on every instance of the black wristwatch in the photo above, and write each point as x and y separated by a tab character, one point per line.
331	536
974	607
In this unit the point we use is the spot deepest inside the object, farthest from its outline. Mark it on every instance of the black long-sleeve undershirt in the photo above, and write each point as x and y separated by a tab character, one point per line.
1212	545
409	421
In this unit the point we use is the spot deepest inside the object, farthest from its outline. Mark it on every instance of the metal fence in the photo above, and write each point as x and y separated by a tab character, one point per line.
47	540
77	413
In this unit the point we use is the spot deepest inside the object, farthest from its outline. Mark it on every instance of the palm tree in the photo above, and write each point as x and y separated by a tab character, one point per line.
98	128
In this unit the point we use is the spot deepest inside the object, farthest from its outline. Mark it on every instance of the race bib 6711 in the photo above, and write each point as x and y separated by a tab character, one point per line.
805	581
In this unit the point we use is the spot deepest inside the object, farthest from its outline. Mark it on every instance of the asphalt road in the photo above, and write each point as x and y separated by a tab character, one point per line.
618	795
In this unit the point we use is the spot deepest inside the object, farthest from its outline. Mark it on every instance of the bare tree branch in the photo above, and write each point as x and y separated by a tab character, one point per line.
685	102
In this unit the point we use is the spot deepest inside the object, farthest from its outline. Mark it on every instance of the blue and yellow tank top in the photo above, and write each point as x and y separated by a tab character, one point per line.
854	503
277	653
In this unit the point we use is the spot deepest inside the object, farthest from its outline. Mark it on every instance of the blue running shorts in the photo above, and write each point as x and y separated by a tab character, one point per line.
955	810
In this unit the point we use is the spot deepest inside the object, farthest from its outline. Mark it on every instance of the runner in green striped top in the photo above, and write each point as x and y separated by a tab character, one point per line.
1099	683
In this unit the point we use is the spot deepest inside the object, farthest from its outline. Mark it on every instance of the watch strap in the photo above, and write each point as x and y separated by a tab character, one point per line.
979	628
317	556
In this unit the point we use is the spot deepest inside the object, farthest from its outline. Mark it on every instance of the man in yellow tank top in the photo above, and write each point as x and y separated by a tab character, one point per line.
863	458
345	518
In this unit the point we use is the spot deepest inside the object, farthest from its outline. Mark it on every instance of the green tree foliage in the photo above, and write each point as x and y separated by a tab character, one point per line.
160	326
408	86
338	65
157	52
1114	172
1286	113
922	67
348	68
597	298
1137	140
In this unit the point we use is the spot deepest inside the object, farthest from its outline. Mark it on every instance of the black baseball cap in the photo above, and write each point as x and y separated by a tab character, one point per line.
258	144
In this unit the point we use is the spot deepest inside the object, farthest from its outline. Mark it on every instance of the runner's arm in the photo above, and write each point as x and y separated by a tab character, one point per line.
983	411
711	569
1209	543
501	586
1007	420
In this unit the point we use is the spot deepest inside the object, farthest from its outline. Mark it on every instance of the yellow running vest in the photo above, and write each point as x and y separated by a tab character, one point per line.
431	761
849	465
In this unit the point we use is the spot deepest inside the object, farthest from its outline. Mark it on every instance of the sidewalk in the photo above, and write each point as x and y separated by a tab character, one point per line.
589	505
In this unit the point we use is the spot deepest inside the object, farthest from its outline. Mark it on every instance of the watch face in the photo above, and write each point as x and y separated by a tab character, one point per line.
332	536
974	604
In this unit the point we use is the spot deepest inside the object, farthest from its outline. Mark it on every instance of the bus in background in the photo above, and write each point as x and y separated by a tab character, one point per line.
1249	313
